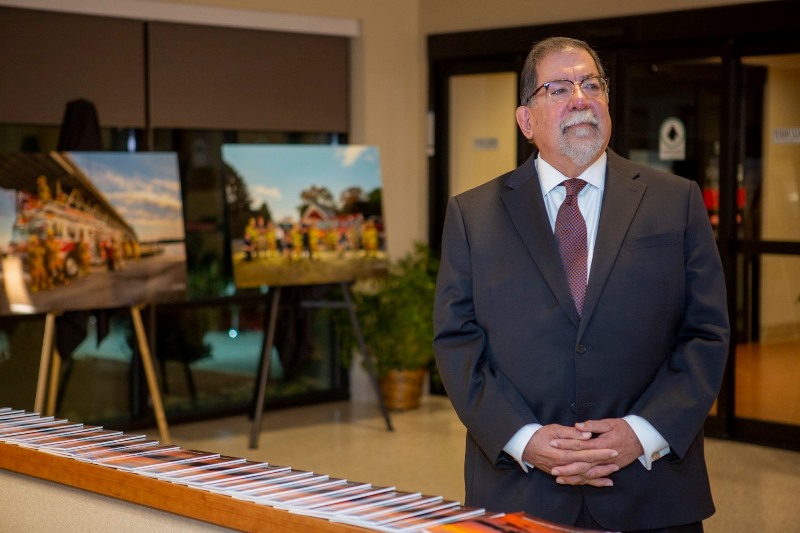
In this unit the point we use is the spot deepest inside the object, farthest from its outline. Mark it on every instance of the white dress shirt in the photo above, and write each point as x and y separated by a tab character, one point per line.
590	200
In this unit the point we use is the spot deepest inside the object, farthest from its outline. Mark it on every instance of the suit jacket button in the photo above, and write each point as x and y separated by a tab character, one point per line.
581	348
572	407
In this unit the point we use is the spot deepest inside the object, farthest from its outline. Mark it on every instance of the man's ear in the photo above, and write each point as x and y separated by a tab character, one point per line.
524	120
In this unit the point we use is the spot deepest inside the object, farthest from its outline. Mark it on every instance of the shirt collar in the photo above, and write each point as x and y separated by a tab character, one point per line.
549	177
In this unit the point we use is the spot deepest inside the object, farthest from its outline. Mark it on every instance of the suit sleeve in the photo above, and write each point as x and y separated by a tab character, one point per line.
484	399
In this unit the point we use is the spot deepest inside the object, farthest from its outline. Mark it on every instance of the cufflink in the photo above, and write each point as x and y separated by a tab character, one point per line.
655	457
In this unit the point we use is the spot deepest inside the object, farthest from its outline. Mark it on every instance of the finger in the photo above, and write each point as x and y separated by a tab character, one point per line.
581	462
600	482
598	444
571	470
570	444
575	451
578	480
594	426
567	432
570	440
573	473
601	471
597	426
586	470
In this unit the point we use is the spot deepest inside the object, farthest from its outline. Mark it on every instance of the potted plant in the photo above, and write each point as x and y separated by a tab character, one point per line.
396	316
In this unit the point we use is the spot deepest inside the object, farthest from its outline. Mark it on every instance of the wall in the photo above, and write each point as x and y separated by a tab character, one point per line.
439	16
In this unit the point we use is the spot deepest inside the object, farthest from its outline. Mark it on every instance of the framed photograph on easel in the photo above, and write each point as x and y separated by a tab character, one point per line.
90	230
304	214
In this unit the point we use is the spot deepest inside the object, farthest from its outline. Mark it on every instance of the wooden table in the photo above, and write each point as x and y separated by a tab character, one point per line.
158	494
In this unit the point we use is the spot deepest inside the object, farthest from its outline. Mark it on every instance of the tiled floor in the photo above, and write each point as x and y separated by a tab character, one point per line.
756	489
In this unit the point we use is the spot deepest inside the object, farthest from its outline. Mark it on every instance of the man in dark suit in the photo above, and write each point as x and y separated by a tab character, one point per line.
582	356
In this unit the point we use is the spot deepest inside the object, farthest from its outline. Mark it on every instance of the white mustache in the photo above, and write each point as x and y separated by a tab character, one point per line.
580	117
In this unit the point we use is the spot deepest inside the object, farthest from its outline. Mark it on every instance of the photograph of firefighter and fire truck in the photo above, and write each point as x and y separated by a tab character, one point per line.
90	230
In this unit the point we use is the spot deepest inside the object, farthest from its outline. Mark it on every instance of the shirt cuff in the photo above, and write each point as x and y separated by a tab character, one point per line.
653	443
516	446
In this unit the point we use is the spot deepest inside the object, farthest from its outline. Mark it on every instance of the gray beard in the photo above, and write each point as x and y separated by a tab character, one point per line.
583	152
585	149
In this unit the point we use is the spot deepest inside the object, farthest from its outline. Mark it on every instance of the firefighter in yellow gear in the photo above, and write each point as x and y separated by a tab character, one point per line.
35	259
52	260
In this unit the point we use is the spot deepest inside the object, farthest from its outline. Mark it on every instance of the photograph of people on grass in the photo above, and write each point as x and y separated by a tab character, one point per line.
304	214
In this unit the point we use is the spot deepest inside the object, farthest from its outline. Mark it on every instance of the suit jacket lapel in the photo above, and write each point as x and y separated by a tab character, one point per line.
621	198
525	204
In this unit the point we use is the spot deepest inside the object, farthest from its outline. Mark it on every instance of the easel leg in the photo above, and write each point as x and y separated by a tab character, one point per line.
351	308
44	361
152	382
262	378
55	376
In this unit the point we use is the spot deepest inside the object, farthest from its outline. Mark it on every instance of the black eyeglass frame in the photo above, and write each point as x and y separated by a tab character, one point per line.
604	82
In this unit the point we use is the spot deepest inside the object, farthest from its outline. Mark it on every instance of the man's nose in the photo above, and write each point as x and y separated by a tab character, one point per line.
578	99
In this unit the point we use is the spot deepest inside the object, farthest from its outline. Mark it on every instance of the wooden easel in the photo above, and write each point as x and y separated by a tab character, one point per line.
45	361
346	303
50	365
150	373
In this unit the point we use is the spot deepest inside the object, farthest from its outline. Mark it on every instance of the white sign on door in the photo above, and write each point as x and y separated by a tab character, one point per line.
672	140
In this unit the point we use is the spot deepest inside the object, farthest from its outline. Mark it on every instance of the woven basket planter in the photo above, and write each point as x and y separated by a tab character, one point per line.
402	389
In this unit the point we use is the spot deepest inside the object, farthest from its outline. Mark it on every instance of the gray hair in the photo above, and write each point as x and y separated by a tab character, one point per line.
527	79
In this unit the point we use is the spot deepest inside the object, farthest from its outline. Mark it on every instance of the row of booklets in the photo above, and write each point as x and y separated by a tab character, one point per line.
296	491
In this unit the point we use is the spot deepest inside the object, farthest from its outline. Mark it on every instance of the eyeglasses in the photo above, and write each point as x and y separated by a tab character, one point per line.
561	90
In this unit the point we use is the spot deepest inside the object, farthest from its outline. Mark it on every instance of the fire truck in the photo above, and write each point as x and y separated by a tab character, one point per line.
82	236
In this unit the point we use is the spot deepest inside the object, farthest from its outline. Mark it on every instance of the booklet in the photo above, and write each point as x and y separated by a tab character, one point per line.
317	496
138	442
213	473
272	494
375	516
266	487
90	442
107	454
345	497
171	471
519	522
404	514
242	483
51	426
64	441
235	476
156	457
13	414
361	506
442	516
30	439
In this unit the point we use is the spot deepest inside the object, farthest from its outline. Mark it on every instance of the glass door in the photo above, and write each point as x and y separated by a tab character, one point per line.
670	119
768	352
668	113
683	115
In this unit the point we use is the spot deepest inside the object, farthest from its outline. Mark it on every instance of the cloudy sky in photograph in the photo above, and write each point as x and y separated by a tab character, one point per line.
277	174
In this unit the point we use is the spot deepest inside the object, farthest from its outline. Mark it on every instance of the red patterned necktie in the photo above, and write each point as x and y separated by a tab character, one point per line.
571	237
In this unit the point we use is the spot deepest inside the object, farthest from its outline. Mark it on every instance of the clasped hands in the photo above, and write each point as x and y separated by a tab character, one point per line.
585	454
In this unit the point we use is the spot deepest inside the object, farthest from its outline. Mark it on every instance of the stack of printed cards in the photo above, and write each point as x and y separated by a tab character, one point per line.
296	491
